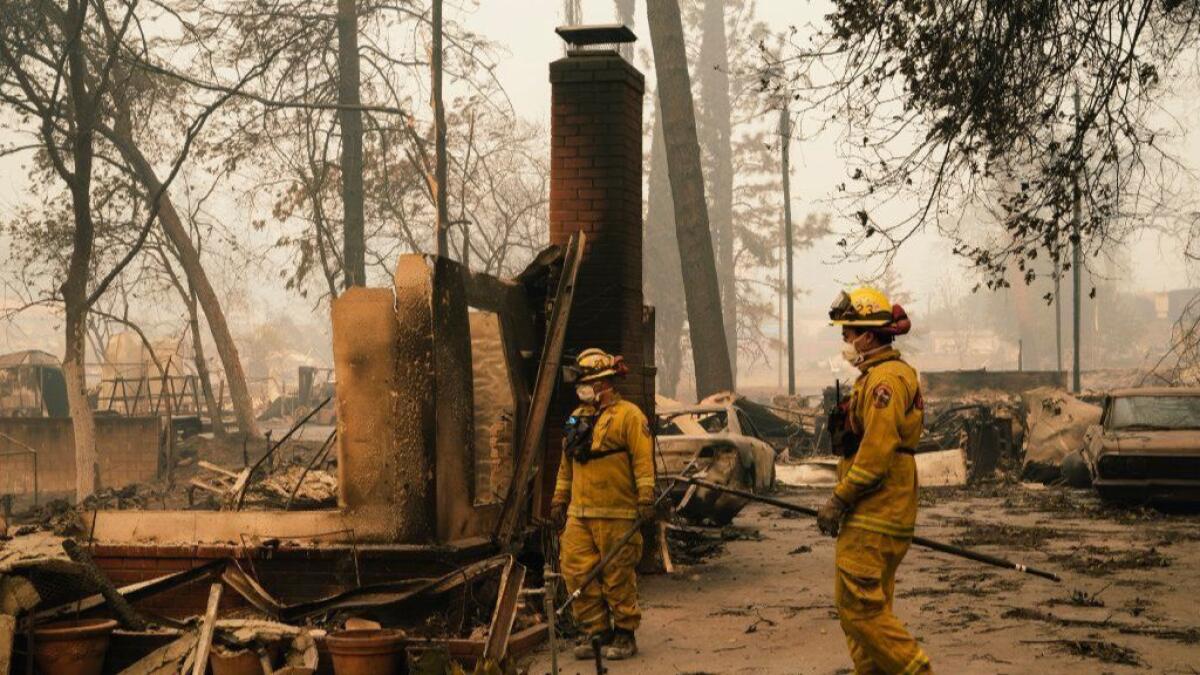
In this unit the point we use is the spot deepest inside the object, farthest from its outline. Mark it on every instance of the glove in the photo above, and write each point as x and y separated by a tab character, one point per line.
829	516
558	515
646	512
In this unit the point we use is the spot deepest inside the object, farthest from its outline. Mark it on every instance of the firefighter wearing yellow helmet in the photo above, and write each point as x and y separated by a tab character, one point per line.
605	482
873	509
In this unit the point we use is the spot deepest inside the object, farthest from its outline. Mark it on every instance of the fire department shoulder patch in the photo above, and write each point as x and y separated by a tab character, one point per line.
881	395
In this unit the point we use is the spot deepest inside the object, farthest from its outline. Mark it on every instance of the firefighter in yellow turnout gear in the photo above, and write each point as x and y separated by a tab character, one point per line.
873	509
605	481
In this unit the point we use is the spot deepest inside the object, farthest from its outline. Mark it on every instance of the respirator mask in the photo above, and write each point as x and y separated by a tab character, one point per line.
850	351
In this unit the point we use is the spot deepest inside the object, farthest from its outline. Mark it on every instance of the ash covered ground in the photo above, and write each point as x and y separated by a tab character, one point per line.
763	604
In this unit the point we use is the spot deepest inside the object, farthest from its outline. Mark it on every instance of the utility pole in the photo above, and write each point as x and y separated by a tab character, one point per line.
1075	254
1058	315
779	318
439	135
785	137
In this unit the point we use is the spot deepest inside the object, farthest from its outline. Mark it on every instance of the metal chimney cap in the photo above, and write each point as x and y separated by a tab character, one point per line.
596	34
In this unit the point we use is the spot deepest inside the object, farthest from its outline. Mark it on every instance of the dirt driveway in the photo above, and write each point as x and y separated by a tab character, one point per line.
1129	601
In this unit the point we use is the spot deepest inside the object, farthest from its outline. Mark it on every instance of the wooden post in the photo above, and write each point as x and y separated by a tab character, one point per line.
204	641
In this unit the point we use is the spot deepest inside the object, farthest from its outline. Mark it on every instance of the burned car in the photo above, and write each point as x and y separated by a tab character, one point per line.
719	442
1147	445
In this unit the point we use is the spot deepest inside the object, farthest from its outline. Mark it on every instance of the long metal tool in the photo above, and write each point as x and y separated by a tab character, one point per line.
920	541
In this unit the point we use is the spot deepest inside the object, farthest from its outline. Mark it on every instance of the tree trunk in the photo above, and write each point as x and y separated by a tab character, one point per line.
74	288
439	135
660	265
716	131
210	398
710	352
83	423
354	246
189	259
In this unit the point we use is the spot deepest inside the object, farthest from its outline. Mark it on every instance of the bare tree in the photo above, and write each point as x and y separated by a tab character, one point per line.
970	106
439	133
716	137
66	68
660	265
35	81
702	293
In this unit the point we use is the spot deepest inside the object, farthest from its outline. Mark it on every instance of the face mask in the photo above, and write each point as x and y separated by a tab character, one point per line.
586	393
850	351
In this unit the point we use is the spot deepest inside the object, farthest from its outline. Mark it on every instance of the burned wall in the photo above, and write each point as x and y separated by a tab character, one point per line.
495	408
956	384
129	449
406	396
383	473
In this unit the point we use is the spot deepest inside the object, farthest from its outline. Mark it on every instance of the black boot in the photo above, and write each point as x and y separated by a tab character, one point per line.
623	645
583	649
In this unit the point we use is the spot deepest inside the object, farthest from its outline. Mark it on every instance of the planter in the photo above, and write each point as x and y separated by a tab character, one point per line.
366	652
244	662
72	647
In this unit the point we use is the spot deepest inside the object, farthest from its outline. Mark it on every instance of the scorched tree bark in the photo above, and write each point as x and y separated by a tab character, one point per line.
702	293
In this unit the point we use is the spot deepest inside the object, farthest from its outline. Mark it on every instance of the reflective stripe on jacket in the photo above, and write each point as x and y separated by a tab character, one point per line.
879	483
610	486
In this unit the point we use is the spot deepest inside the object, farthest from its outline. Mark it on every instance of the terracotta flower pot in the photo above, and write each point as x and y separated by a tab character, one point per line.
72	647
366	652
244	662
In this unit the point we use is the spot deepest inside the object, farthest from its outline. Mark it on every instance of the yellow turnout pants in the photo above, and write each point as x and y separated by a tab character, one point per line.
864	587
614	594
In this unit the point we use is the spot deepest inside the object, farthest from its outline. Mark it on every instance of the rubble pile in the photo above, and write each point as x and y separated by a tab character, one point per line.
300	486
45	578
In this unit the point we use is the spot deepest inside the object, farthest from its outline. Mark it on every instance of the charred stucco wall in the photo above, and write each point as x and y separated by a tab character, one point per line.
951	384
406	413
382	474
452	392
494	408
130	450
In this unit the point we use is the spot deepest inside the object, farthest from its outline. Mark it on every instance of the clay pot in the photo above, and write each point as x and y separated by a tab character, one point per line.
72	647
244	662
366	651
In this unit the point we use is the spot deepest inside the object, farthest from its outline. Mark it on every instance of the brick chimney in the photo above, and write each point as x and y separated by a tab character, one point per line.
596	188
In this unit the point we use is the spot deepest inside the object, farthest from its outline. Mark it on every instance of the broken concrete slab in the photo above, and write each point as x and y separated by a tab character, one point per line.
944	468
934	469
813	473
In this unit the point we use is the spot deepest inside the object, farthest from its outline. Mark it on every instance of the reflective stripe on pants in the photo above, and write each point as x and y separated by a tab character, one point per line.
864	588
613	597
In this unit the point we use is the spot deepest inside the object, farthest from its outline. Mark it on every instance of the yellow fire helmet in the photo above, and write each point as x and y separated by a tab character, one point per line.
864	306
596	364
